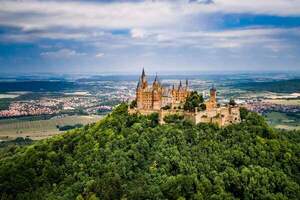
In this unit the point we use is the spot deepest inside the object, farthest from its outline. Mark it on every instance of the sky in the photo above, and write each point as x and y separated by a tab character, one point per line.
123	36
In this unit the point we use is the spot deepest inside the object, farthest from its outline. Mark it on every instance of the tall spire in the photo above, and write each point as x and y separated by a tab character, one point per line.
139	83
144	83
143	73
180	85
186	83
155	80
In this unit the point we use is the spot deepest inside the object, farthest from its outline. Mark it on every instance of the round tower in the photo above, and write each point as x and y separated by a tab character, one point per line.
213	94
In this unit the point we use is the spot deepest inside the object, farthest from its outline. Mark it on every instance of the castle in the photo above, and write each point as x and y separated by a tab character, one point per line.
156	97
170	101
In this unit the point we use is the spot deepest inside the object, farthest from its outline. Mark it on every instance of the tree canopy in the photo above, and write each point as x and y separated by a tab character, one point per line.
133	157
194	100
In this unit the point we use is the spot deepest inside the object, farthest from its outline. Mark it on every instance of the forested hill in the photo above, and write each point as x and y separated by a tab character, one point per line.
282	86
131	157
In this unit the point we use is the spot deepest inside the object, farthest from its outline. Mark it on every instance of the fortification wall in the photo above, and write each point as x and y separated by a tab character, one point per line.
164	113
222	116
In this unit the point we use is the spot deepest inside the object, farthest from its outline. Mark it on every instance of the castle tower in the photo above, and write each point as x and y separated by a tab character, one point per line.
156	83
213	94
156	94
186	84
180	85
212	102
142	85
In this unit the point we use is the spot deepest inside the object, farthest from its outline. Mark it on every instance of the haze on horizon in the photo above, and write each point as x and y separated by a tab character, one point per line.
105	36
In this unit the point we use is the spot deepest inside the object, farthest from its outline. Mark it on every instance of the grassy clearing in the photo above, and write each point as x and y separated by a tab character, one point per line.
39	129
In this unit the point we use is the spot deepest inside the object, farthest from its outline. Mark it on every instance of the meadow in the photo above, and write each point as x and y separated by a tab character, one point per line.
40	129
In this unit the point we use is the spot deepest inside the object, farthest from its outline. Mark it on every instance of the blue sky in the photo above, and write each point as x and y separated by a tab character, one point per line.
124	36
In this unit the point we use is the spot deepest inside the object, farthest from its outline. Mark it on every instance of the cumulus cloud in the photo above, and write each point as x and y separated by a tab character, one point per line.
62	53
218	39
45	14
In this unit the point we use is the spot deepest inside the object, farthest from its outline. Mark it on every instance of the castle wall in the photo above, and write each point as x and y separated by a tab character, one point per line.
222	116
164	113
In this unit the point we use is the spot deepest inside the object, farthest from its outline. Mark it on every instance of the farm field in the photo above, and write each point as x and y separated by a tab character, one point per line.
287	102
40	129
283	120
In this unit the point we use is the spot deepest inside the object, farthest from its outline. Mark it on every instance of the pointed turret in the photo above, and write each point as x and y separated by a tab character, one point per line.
143	74
143	79
156	78
139	84
180	85
156	83
186	84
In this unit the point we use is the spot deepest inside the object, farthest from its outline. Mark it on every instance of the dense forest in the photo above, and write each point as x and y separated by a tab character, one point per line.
132	157
283	86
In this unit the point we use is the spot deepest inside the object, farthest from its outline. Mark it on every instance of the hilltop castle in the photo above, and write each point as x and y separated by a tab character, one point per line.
170	101
156	97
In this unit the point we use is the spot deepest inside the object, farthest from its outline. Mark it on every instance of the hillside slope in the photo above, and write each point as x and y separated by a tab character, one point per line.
131	157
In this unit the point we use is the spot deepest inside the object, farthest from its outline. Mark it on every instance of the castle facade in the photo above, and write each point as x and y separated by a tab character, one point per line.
170	101
155	96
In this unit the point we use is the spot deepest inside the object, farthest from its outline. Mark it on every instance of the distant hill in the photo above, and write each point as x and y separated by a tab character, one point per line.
36	86
132	157
283	86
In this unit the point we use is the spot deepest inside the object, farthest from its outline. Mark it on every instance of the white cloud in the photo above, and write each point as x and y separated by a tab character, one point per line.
278	47
45	14
267	7
217	39
62	53
33	14
138	33
33	36
99	55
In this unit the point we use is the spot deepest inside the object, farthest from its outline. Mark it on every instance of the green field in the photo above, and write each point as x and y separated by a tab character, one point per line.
4	103
39	129
284	120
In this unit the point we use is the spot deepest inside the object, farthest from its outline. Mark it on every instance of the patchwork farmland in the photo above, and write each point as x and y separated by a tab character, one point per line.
39	129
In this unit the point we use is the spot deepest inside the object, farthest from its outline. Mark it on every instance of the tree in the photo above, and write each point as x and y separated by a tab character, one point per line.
130	157
243	112
173	118
133	104
193	100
